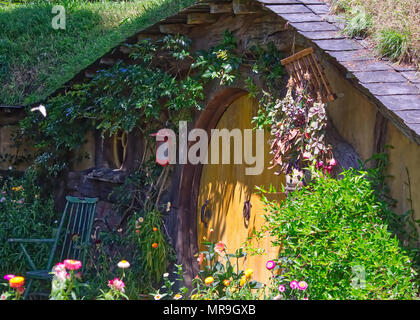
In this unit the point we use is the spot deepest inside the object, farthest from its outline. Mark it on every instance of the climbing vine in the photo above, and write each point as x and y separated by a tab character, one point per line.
163	84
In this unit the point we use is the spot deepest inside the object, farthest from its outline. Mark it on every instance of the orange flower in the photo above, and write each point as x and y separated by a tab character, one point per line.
17	188
200	258
219	247
226	282
154	245
154	229
17	282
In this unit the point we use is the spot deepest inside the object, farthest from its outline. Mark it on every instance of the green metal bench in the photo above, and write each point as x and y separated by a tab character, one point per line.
78	215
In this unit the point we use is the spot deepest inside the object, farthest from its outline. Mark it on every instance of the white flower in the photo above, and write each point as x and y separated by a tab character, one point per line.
41	109
166	275
177	296
123	264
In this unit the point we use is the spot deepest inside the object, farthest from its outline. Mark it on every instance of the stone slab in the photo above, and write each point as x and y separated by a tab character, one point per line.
379	76
293	8
301	17
338	45
384	89
346	56
400	102
319	8
314	26
321	35
412	76
368	65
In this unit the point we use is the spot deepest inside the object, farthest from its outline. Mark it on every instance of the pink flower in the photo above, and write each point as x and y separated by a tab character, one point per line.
219	247
320	164
116	284
282	288
270	264
72	264
59	267
8	277
302	285
62	275
333	162
294	284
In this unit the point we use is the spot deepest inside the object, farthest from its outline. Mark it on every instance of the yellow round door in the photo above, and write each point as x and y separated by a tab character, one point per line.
225	188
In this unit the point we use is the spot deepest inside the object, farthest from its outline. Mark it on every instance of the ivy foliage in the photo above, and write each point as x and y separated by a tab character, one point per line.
163	84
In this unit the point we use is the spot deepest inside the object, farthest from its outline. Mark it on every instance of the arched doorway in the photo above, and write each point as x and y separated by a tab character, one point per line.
225	191
189	199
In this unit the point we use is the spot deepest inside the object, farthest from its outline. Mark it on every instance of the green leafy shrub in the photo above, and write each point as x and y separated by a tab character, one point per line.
392	44
358	22
23	214
332	234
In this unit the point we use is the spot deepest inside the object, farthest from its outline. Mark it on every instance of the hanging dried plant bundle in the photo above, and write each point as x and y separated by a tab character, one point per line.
298	131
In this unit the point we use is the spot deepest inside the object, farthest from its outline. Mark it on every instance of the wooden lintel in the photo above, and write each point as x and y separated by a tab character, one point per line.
200	18
221	8
90	73
125	50
107	61
174	28
245	6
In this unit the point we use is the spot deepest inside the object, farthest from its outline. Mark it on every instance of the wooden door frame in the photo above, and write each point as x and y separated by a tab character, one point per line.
186	242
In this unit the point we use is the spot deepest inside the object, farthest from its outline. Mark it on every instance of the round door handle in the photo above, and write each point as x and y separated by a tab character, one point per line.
247	210
203	214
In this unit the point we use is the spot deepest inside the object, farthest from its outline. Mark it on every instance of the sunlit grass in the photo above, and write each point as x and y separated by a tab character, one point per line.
35	59
394	29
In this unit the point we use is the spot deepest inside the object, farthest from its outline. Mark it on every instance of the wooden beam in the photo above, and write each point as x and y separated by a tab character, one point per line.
174	28
107	61
245	6
90	73
221	8
200	18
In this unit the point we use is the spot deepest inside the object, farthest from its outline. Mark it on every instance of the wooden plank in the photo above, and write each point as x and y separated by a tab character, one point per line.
379	76
338	45
300	17
319	8
321	35
245	6
385	89
348	56
297	56
313	26
368	65
294	8
200	18
221	8
400	102
174	28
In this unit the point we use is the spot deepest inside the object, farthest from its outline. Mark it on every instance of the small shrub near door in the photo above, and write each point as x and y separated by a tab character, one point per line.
333	235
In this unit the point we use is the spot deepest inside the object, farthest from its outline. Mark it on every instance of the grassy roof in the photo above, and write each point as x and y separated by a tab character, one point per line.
391	27
36	59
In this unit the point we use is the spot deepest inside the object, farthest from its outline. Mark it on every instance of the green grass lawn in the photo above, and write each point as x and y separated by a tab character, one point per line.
35	59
